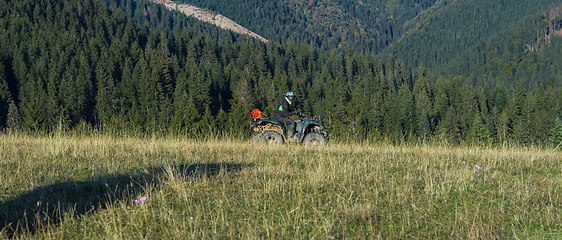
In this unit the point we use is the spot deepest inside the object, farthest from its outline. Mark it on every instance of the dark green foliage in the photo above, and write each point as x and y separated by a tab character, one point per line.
490	41
5	97
556	132
448	129
35	119
367	25
424	128
518	114
237	118
13	122
479	133
407	113
142	69
185	120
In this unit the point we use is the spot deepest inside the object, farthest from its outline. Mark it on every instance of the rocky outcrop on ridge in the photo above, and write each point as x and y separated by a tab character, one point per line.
206	16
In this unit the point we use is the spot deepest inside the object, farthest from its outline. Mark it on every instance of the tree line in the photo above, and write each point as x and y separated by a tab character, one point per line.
82	65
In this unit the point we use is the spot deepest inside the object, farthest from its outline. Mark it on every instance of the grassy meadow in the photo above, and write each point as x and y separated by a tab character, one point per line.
81	187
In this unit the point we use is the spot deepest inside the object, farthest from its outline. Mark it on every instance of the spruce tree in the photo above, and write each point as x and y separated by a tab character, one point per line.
148	95
35	118
424	127
105	96
185	120
206	126
517	114
14	118
478	131
556	133
407	108
237	119
448	128
33	106
5	98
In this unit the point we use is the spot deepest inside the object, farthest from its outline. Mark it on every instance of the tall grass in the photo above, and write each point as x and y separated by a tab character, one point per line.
85	186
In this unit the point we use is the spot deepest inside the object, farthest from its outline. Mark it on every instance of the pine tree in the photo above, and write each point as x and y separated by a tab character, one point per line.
218	88
468	105
448	128
206	126
542	114
406	107
424	127
355	118
148	96
33	105
5	98
35	119
127	95
166	114
182	102
556	133
479	133
237	119
14	118
185	120
517	114
200	85
391	121
105	96
422	90
377	103
500	97
221	122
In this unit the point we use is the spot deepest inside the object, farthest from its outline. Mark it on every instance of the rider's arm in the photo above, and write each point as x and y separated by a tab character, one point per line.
285	110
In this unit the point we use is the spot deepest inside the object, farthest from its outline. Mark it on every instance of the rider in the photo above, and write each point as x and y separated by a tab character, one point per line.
285	110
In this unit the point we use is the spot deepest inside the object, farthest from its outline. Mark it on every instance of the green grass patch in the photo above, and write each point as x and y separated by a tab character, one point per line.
84	187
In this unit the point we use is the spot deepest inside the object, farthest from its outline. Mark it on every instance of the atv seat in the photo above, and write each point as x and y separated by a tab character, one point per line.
273	121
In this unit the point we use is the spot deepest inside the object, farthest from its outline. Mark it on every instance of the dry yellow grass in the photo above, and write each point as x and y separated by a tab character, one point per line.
85	186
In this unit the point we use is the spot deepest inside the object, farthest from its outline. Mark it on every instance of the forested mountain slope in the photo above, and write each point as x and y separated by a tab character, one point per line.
489	41
134	68
369	25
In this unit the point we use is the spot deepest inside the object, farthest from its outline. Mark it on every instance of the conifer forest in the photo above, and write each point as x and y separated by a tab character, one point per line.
478	72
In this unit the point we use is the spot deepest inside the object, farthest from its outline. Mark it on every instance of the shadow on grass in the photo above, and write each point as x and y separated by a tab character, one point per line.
48	205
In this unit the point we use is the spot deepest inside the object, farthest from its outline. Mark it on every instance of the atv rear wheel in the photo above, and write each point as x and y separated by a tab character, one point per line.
314	139
271	138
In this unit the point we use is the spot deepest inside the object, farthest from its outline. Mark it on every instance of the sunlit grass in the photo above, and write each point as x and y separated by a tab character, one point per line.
85	186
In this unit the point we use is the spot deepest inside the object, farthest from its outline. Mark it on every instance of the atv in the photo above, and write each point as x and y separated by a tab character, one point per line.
310	132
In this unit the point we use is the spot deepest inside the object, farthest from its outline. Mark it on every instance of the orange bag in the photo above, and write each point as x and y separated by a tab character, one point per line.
255	115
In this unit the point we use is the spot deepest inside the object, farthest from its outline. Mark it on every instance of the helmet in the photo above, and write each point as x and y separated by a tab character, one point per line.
290	94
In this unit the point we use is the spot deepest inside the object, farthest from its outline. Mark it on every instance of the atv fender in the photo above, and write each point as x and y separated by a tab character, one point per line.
264	125
311	127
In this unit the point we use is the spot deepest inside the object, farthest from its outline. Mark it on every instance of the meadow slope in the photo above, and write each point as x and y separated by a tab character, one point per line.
85	187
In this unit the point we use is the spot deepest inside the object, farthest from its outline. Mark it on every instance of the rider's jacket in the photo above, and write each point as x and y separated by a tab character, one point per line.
283	110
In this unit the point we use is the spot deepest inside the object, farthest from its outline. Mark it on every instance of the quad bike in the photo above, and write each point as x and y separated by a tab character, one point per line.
311	132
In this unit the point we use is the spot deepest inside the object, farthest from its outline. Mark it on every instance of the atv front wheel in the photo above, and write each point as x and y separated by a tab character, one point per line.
272	138
314	139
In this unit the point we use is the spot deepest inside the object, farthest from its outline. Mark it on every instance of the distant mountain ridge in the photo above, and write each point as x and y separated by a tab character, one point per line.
489	42
210	17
